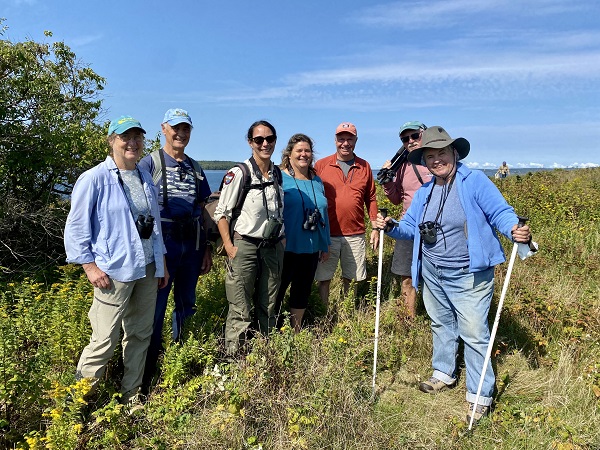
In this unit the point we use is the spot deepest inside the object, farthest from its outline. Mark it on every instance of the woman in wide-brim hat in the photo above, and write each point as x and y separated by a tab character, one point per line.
453	220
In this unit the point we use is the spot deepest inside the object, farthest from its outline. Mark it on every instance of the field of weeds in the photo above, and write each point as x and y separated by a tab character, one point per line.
312	390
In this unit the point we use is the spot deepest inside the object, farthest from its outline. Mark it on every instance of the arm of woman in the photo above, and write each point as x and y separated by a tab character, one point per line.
497	211
223	225
96	276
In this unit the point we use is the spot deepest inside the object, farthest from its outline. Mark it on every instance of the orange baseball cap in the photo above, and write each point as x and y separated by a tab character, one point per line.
346	127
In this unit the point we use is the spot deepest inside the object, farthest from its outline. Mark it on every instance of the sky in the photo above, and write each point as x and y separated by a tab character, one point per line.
518	80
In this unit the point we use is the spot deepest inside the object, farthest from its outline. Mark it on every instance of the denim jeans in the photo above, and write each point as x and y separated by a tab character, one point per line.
184	263
458	303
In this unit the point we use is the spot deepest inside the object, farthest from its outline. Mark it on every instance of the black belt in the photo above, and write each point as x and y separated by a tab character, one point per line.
259	242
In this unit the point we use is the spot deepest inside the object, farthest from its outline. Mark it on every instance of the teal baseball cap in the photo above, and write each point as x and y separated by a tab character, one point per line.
176	116
124	123
414	125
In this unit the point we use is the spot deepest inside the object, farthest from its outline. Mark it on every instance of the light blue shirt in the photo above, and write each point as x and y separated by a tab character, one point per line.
100	227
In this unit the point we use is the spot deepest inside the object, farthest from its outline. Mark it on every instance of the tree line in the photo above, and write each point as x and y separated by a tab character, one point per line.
217	165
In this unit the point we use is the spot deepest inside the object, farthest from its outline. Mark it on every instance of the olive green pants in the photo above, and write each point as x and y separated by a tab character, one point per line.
251	285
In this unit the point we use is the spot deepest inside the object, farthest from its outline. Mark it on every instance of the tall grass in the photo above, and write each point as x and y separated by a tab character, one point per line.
312	390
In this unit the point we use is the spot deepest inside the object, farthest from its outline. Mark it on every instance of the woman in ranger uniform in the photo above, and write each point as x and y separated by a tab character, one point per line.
253	240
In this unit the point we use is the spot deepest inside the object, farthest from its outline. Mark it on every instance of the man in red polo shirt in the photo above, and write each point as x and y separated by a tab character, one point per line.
349	187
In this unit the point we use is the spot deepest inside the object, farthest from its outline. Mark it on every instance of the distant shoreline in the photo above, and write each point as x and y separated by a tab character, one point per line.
215	175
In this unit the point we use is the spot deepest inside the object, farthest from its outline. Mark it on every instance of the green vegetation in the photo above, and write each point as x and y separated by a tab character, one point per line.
48	136
217	165
313	390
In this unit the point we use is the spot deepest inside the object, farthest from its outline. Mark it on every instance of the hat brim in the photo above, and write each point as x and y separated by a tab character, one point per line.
126	127
178	120
461	145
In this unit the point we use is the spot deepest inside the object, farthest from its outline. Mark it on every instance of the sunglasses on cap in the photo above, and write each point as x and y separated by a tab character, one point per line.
258	140
413	136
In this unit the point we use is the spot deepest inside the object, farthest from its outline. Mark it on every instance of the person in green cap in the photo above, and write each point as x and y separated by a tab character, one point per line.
112	230
409	177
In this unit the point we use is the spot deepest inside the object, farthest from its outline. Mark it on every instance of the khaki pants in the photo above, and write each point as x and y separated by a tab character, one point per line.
130	306
252	271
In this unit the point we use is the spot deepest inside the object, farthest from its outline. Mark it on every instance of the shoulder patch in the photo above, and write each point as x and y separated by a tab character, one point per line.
229	176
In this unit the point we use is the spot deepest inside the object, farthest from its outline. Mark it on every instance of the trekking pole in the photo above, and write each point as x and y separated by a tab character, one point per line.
488	353
384	213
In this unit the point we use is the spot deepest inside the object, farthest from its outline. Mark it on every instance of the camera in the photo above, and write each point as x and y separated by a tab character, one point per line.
273	228
145	226
386	175
312	220
428	232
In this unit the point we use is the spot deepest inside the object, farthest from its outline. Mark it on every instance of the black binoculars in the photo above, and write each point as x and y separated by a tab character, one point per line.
428	232
145	226
312	220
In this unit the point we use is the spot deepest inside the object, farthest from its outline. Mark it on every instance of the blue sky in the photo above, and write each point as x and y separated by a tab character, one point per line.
519	80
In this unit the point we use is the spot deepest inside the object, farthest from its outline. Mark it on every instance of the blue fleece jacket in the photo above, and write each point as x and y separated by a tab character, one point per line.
486	210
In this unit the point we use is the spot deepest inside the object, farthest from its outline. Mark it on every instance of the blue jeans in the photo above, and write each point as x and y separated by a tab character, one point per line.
183	263
458	303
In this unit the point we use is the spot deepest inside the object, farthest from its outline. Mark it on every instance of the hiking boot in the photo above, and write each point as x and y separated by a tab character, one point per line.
433	386
480	411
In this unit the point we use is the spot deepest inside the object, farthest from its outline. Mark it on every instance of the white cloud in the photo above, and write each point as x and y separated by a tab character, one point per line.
432	14
81	41
583	165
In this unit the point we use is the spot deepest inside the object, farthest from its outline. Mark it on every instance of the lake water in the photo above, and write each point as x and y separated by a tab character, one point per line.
214	177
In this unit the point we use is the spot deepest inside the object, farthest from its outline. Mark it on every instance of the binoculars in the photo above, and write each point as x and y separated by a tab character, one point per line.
312	220
428	232
145	226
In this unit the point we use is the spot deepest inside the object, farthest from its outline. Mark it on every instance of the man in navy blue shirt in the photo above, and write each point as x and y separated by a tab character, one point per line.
182	188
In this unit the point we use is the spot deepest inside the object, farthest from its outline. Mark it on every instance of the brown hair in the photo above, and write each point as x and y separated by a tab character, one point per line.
287	151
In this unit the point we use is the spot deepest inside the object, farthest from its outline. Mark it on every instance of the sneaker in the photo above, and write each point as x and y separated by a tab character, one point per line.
134	404
433	386
480	411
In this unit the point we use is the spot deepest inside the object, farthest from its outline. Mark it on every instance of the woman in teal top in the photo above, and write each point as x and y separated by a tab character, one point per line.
306	226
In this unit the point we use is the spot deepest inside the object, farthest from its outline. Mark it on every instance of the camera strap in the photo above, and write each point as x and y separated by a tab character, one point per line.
300	192
129	200
263	186
417	173
445	193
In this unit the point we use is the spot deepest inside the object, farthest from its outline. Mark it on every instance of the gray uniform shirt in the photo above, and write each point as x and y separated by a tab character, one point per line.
253	217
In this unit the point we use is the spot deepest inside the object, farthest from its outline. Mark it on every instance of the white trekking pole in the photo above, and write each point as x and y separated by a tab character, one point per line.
383	212
488	353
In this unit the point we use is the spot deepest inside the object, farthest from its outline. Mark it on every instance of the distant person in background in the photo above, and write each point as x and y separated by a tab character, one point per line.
306	226
113	231
349	187
254	244
182	188
409	178
453	222
503	170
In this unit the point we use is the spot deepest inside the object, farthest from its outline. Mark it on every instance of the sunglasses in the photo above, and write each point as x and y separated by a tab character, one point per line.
413	136
258	140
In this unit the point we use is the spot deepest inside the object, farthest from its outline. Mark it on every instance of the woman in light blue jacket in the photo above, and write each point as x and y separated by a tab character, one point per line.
113	231
453	220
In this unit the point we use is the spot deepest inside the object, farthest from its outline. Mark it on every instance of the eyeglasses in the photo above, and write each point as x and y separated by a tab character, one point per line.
131	137
413	136
258	140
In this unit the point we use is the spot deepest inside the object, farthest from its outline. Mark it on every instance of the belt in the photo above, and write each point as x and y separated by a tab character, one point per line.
259	242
